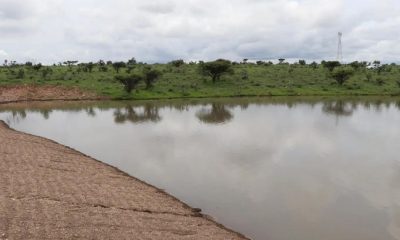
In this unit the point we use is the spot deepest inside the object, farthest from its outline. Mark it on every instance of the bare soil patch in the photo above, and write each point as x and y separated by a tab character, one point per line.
44	93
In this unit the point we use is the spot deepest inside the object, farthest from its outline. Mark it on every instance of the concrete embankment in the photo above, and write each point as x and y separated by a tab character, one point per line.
49	191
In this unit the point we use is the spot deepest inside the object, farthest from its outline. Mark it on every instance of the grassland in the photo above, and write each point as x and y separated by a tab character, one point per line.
185	81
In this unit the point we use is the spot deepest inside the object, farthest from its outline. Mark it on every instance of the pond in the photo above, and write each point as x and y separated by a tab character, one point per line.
270	168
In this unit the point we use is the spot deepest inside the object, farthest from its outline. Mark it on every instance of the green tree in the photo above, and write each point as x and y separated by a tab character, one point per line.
330	65
342	74
102	66
37	67
177	63
118	65
314	65
216	69
150	76
46	71
376	63
132	61
302	62
21	73
89	66
129	82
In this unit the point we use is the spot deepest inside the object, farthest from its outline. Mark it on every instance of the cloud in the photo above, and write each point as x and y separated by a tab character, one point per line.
55	30
3	54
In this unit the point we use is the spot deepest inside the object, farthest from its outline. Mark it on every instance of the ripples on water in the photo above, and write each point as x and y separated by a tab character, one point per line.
270	168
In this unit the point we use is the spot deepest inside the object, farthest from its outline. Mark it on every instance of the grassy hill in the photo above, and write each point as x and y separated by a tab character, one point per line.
185	80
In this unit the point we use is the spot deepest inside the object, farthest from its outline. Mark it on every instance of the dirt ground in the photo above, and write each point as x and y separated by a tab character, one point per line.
49	191
42	93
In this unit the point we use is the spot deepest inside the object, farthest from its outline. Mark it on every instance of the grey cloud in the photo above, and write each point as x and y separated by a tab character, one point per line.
54	30
14	10
159	7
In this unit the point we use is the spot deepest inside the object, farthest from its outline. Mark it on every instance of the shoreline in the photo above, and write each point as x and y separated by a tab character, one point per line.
8	94
96	175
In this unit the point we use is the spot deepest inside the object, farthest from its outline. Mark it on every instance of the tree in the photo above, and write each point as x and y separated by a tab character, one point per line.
177	63
342	74
330	65
37	67
129	82
376	63
302	62
46	71
118	65
70	64
380	81
368	76
21	73
102	66
132	61
281	60
314	65
216	69
150	76
358	65
89	66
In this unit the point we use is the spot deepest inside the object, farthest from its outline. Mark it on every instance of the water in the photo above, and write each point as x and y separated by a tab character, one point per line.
278	169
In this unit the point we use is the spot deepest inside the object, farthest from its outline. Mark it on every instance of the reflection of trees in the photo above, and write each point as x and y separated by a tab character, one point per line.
217	114
397	104
19	114
338	108
90	111
45	113
15	116
134	115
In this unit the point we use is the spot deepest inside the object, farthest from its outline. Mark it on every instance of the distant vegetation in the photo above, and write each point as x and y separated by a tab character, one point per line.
219	78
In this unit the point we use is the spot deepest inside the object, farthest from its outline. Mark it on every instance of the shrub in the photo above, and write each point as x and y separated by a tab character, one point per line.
380	81
330	65
21	74
177	63
342	74
150	76
216	69
129	82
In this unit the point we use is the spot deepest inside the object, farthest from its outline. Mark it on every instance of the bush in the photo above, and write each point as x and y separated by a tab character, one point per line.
216	68
150	76
177	63
330	65
129	82
380	81
342	74
21	74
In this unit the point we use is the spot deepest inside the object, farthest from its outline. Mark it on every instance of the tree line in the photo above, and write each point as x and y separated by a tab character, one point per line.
138	72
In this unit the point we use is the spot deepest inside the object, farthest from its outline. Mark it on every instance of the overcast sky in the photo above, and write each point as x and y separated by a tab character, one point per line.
161	30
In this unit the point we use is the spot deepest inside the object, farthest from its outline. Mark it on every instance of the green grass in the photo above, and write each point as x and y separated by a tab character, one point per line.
186	82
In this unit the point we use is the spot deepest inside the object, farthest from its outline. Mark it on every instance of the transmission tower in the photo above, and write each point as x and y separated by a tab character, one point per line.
339	51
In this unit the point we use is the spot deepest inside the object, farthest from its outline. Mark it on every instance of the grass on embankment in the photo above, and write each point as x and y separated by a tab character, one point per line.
186	81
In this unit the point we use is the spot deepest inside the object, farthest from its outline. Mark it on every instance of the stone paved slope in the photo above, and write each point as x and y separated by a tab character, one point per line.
49	191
